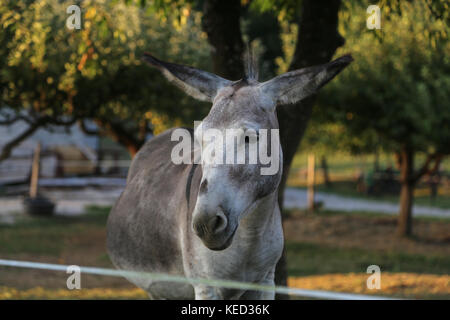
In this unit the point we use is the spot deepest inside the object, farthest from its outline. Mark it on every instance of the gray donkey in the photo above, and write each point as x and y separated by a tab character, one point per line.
209	220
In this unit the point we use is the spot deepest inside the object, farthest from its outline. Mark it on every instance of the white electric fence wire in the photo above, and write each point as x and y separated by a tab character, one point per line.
318	294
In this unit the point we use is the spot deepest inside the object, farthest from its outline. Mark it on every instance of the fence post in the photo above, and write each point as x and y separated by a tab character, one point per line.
311	180
35	172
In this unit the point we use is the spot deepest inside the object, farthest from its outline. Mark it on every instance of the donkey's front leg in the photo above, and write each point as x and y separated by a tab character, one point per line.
210	293
269	280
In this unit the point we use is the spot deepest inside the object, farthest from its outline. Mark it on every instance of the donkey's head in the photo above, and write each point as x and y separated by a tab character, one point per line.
241	154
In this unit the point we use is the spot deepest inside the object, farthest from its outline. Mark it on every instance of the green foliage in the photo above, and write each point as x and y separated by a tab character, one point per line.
262	32
397	90
323	137
96	72
286	9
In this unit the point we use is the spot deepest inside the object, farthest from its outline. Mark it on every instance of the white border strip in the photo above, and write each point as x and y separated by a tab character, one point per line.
210	282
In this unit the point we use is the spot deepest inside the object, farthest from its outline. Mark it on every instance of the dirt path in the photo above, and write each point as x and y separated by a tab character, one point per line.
73	202
296	199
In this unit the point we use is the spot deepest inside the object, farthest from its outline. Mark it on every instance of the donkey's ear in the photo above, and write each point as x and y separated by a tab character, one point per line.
294	86
199	84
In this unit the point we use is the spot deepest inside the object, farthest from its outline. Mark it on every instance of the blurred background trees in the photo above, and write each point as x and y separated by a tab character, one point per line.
393	98
53	75
397	95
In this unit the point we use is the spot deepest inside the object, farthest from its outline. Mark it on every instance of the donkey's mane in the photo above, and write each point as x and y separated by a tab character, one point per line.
251	63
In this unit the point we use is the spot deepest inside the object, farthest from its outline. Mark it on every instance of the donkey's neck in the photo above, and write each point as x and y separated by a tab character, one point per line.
260	216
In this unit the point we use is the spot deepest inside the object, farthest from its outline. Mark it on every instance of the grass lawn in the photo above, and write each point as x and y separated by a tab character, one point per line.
327	250
312	259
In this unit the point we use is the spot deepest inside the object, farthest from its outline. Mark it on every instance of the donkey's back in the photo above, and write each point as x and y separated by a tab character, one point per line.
143	230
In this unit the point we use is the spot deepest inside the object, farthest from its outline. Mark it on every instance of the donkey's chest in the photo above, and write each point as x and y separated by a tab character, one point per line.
264	255
245	260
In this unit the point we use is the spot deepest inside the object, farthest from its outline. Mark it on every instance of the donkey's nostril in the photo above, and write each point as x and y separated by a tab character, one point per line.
204	225
218	223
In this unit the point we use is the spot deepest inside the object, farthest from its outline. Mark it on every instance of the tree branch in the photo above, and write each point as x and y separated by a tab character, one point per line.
425	169
122	135
9	121
58	122
7	149
34	125
86	130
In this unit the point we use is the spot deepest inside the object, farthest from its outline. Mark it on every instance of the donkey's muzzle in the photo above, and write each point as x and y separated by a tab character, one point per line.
212	229
206	224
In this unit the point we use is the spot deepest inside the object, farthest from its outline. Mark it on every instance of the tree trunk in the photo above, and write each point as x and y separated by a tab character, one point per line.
326	176
406	193
317	41
221	22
